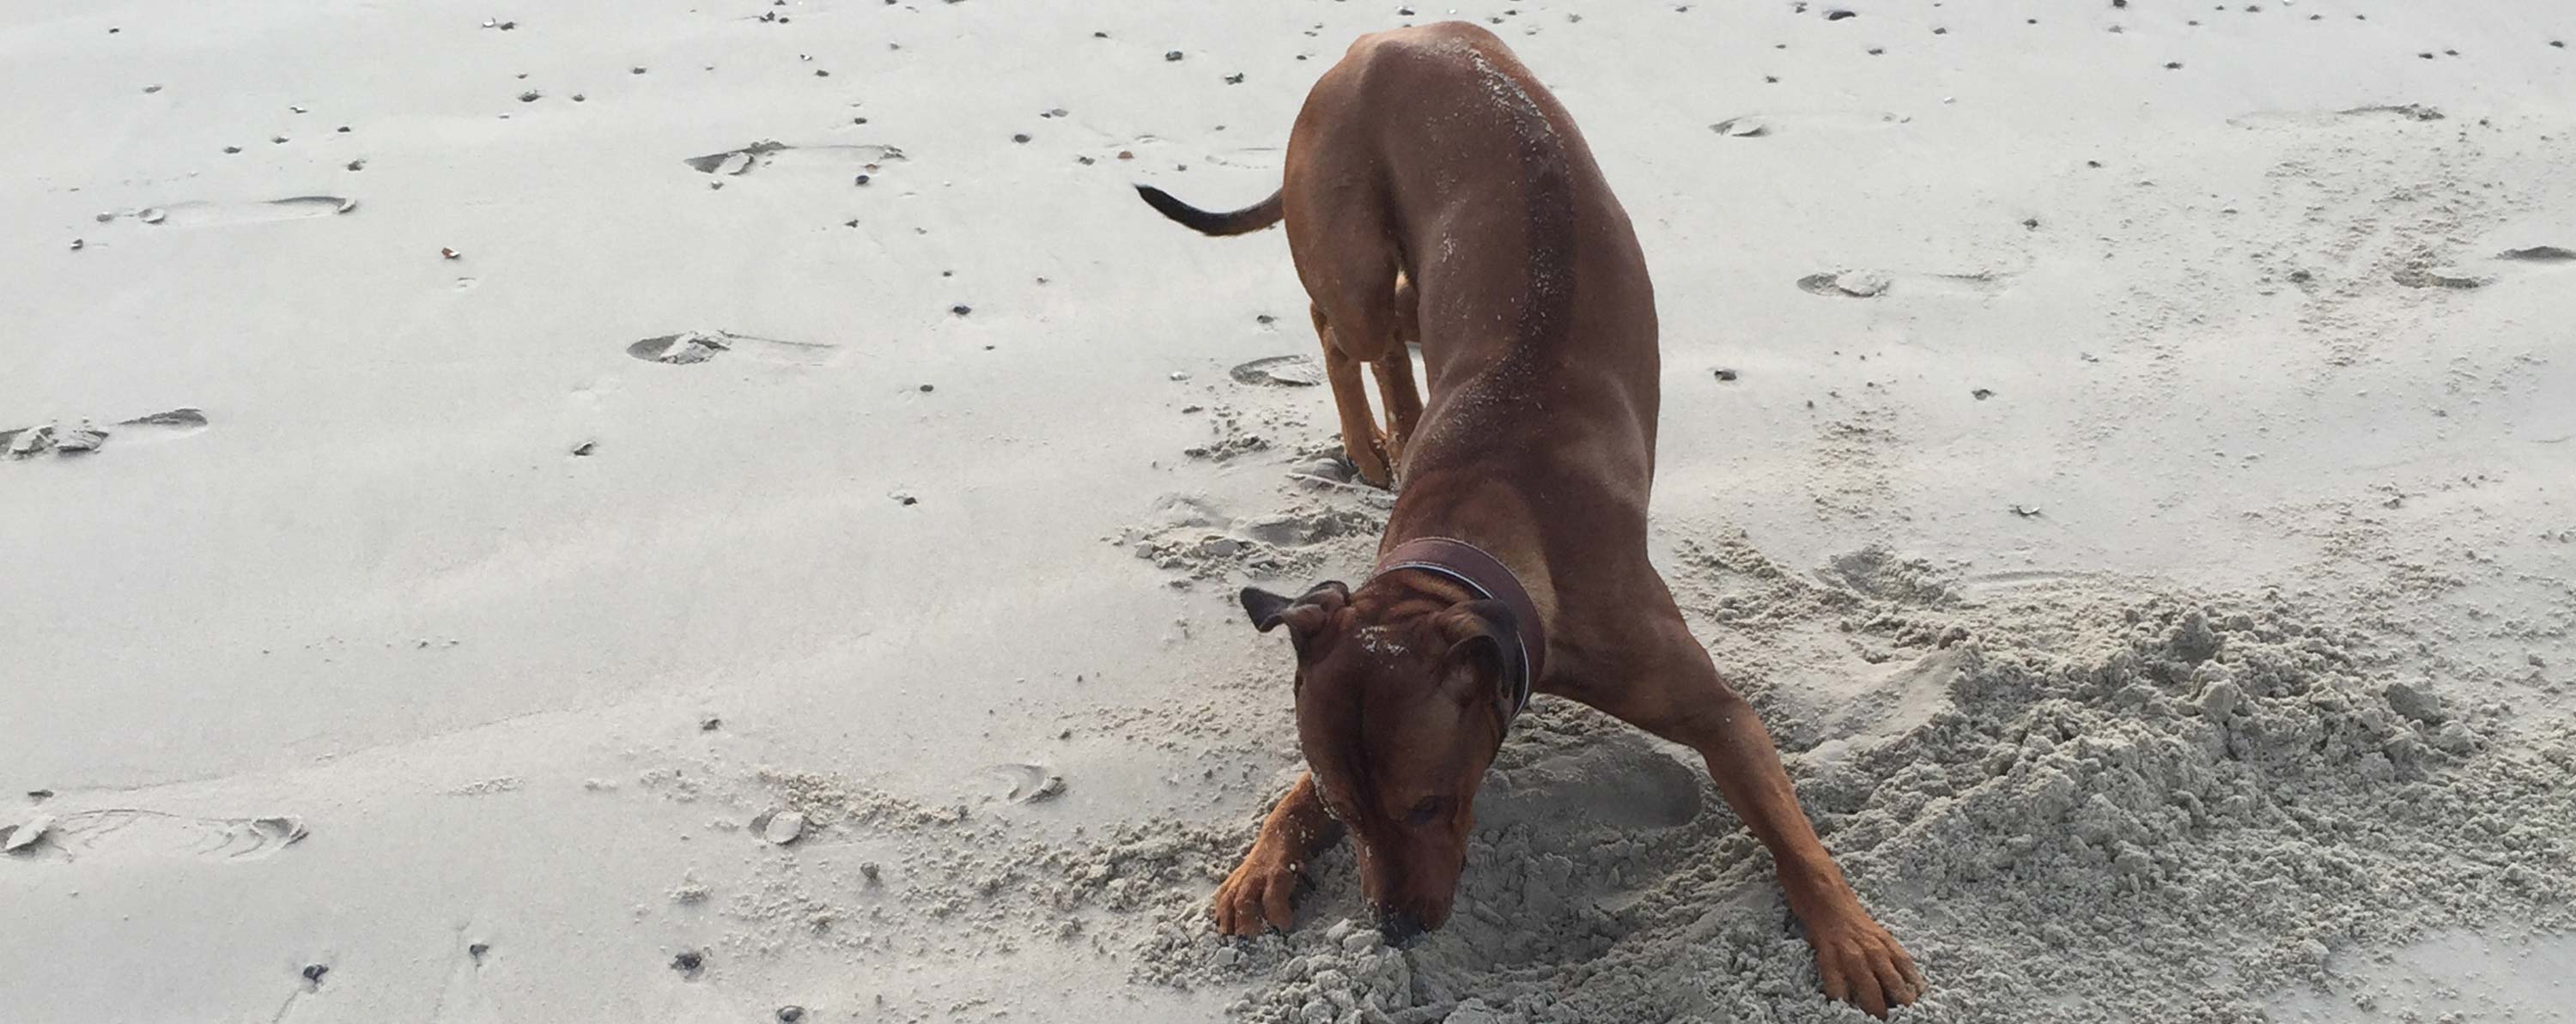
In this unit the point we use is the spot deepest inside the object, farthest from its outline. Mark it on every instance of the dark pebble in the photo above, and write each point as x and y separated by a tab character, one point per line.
1726	375
1172	55
314	972
961	309
1838	15
689	962
711	725
1234	79
790	1014
232	149
1981	394
862	179
926	389
477	950
1020	137
529	96
2173	65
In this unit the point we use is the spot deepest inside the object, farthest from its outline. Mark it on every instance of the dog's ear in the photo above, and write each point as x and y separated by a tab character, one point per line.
1484	658
1305	616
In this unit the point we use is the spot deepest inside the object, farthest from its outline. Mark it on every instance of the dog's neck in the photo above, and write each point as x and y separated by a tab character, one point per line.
1485	575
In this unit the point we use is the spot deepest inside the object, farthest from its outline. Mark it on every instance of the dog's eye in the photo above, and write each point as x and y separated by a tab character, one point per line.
1423	813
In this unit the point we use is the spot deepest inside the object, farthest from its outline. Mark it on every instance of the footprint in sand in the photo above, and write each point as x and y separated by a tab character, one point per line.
1754	126
1023	783
2429	275
131	832
834	158
1870	284
1279	372
2539	254
85	437
2440	277
692	347
2395	112
207	214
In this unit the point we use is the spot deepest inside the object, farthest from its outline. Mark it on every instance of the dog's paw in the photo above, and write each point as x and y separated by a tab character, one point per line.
1370	462
1256	896
1862	965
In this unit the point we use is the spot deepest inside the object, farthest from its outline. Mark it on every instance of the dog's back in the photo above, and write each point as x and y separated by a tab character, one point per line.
1533	291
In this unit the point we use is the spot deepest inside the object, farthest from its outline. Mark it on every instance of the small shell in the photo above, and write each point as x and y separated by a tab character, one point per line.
26	833
781	827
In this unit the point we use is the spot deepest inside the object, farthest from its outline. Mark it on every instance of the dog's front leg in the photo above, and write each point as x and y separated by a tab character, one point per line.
1257	894
1677	694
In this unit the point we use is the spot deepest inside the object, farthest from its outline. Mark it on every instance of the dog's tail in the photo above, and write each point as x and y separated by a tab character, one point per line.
1244	221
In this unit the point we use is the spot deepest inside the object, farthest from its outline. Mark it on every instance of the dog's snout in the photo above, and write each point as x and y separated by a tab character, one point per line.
1399	926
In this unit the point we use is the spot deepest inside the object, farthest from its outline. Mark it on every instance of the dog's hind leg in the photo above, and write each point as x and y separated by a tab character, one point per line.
1361	442
1395	389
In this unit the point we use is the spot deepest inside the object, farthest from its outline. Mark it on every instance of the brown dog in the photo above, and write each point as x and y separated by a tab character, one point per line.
1515	558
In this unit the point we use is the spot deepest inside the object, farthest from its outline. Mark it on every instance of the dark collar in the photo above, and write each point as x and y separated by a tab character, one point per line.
1489	577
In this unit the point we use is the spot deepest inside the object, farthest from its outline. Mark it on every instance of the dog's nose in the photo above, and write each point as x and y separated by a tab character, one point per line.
1399	926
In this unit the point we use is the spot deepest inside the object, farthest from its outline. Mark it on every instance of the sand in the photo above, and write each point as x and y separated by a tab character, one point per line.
729	512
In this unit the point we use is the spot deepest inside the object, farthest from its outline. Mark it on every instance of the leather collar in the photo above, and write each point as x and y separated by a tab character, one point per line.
1489	577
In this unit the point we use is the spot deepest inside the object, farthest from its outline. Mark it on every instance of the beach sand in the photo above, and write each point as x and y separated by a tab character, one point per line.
730	512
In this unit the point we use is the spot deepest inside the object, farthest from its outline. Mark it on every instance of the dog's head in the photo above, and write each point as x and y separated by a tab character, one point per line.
1403	694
